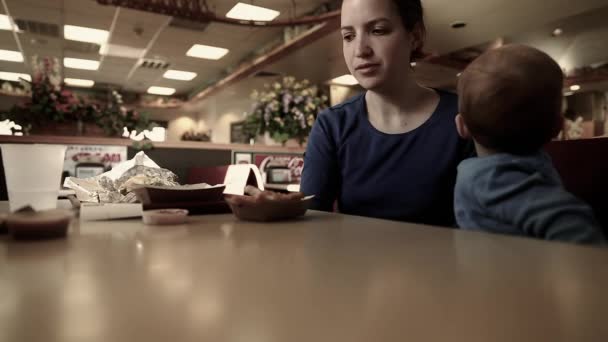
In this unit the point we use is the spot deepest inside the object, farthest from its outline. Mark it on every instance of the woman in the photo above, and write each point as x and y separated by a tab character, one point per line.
391	152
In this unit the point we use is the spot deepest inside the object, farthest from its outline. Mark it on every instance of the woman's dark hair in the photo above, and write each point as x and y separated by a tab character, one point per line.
412	16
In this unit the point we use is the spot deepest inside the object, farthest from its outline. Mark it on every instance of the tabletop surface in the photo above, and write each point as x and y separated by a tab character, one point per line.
325	277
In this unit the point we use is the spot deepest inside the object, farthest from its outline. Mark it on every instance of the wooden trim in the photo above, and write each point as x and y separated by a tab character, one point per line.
248	69
77	140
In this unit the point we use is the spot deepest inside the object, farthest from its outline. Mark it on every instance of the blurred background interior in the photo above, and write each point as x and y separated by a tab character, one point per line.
194	78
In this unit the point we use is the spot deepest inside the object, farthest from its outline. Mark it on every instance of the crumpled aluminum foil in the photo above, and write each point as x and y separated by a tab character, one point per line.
116	186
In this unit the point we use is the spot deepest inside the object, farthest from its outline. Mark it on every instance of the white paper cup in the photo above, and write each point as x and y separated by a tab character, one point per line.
33	174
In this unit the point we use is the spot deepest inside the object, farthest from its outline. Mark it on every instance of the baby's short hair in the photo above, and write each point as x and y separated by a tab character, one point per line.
510	99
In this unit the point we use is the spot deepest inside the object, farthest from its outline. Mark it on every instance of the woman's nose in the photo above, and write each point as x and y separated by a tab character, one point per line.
362	48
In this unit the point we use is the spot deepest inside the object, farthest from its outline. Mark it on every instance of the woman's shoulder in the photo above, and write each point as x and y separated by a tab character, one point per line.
339	121
348	109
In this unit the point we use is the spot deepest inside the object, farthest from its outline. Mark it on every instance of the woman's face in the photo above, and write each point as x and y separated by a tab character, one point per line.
376	46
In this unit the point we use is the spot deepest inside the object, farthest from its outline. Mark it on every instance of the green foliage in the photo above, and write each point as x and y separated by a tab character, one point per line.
50	103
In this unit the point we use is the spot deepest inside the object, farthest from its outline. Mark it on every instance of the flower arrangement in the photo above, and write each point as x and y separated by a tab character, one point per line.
285	110
50	103
116	118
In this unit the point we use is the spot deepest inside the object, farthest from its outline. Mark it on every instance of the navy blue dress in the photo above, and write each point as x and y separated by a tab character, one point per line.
406	177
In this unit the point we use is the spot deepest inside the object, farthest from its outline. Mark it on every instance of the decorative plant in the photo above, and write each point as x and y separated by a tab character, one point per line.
116	117
285	110
50	103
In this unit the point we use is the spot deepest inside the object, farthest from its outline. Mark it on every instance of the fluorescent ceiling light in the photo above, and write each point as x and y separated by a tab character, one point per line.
179	75
6	22
250	12
161	91
14	76
575	87
345	80
85	34
77	63
11	56
206	52
76	82
123	51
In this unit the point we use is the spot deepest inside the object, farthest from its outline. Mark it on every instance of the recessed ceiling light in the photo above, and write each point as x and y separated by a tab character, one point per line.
413	64
206	52
11	56
76	82
568	93
14	76
123	51
161	91
6	22
345	80
250	12
557	32
458	74
85	34
179	75
575	87
77	63
458	24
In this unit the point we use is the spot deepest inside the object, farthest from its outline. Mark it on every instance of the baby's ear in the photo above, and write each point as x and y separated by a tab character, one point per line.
461	127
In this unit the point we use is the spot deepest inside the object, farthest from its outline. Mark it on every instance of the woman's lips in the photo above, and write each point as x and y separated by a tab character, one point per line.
367	68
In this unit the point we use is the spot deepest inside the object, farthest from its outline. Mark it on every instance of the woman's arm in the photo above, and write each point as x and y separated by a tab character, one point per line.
321	175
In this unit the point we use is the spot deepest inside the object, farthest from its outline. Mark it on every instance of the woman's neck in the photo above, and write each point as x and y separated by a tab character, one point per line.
400	109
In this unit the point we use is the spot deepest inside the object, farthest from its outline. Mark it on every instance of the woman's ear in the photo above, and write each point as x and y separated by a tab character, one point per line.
418	35
461	127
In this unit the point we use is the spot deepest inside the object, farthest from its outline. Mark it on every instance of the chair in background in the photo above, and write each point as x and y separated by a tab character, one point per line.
211	175
583	167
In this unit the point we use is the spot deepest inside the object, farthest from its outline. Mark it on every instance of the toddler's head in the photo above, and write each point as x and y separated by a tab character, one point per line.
510	99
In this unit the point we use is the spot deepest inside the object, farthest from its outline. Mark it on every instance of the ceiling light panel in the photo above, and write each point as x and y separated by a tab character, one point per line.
14	76
77	63
161	91
179	75
244	11
76	82
11	56
206	52
85	34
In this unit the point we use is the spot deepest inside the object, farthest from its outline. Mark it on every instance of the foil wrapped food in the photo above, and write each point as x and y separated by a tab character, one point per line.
116	186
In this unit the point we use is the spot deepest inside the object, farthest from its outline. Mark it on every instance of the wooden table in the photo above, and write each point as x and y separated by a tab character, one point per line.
326	277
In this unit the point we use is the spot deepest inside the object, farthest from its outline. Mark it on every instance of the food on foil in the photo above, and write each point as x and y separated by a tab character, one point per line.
116	186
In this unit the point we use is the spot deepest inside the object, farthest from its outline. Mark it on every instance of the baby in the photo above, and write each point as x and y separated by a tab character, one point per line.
510	102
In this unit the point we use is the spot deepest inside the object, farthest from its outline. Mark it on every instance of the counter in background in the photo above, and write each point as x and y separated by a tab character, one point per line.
179	157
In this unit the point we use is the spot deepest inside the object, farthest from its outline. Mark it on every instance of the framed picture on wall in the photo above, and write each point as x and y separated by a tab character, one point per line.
237	136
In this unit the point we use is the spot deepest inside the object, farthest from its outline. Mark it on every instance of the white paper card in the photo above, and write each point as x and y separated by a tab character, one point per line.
237	176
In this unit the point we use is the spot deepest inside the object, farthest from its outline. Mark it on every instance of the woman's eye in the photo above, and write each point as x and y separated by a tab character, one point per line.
347	37
379	31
